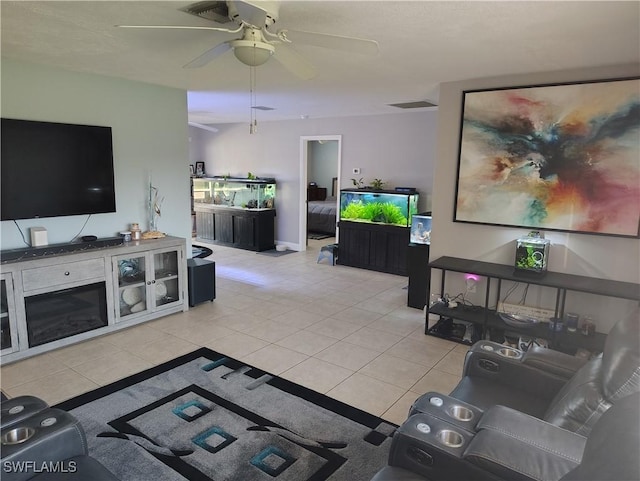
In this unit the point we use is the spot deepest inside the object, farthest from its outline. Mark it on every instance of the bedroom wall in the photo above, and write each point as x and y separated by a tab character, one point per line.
398	148
149	125
590	255
323	163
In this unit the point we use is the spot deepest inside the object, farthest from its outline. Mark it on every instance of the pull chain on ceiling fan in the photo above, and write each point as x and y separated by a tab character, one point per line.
253	121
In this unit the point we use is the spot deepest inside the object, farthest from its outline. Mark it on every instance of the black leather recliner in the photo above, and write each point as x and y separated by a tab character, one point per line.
40	443
453	441
553	386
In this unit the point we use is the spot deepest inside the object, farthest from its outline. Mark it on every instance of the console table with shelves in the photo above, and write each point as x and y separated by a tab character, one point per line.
485	317
63	294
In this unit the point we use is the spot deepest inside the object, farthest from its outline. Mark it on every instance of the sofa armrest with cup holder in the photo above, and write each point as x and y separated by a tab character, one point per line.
564	391
505	444
13	411
41	444
445	439
493	373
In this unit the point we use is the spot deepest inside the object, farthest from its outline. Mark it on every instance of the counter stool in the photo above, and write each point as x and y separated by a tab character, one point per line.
328	252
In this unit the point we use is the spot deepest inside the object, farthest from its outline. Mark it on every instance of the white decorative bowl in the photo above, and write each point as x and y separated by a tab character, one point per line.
281	247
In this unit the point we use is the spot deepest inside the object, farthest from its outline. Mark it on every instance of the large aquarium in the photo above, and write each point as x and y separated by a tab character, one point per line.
378	206
253	194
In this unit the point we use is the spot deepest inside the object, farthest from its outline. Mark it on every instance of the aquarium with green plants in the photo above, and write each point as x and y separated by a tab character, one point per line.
378	206
241	193
532	253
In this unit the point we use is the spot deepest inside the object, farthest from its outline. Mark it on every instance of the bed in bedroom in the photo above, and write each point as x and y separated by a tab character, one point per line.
321	216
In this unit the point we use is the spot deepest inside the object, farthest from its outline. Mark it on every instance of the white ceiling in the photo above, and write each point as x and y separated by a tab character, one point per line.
422	43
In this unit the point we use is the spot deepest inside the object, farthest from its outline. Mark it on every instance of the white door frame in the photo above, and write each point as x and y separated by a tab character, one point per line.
304	154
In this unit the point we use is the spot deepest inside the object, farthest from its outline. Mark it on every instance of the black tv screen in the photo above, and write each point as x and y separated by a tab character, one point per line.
54	169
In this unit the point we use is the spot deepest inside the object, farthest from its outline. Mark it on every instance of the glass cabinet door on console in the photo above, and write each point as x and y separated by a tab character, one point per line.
131	286
166	283
9	332
147	282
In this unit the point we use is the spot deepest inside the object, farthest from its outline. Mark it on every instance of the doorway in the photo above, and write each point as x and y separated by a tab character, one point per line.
320	161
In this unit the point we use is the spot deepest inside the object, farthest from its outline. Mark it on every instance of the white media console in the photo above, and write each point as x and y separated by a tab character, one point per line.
56	299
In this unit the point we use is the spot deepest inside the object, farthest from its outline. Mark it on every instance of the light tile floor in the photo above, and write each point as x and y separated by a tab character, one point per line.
341	331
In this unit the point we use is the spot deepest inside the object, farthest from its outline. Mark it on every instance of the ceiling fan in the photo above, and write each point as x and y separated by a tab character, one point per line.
258	43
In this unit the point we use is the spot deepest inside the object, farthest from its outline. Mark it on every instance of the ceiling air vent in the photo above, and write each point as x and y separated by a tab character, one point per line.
414	105
215	11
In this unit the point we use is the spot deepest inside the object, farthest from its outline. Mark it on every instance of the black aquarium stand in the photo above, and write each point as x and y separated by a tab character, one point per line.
378	247
251	229
485	318
419	275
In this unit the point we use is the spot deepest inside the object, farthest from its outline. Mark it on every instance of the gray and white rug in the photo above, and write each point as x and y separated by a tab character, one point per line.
205	416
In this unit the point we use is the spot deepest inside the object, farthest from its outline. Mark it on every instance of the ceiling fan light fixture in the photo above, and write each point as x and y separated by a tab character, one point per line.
252	53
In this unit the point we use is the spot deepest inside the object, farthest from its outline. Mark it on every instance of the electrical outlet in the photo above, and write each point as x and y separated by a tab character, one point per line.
471	280
471	285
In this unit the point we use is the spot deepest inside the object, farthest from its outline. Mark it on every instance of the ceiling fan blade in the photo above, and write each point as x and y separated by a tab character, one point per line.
181	27
208	56
294	62
336	42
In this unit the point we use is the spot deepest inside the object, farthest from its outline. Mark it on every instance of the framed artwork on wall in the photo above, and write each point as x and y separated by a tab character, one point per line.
562	157
192	171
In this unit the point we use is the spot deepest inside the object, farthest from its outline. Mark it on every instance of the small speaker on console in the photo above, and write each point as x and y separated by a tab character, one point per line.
38	237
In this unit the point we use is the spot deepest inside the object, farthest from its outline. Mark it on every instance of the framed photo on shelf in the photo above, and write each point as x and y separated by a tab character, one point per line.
192	171
199	169
561	157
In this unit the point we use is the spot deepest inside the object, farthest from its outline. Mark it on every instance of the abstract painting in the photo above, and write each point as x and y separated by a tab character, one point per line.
552	157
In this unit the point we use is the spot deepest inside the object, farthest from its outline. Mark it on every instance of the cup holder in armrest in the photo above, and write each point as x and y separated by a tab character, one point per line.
434	448
51	435
450	438
460	413
17	435
510	353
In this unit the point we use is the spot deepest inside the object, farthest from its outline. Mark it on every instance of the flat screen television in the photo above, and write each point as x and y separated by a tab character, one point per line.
54	169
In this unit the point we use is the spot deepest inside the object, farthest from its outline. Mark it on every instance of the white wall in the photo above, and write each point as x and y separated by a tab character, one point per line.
398	148
195	144
590	255
149	126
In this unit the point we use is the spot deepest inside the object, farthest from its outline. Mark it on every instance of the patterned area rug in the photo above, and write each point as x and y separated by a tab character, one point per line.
205	416
200	251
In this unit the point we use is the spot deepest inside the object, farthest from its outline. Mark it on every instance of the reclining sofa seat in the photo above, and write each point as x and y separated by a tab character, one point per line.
610	452
58	441
581	401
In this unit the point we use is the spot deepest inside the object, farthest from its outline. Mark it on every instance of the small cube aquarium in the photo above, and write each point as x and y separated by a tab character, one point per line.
252	194
421	228
532	254
378	206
